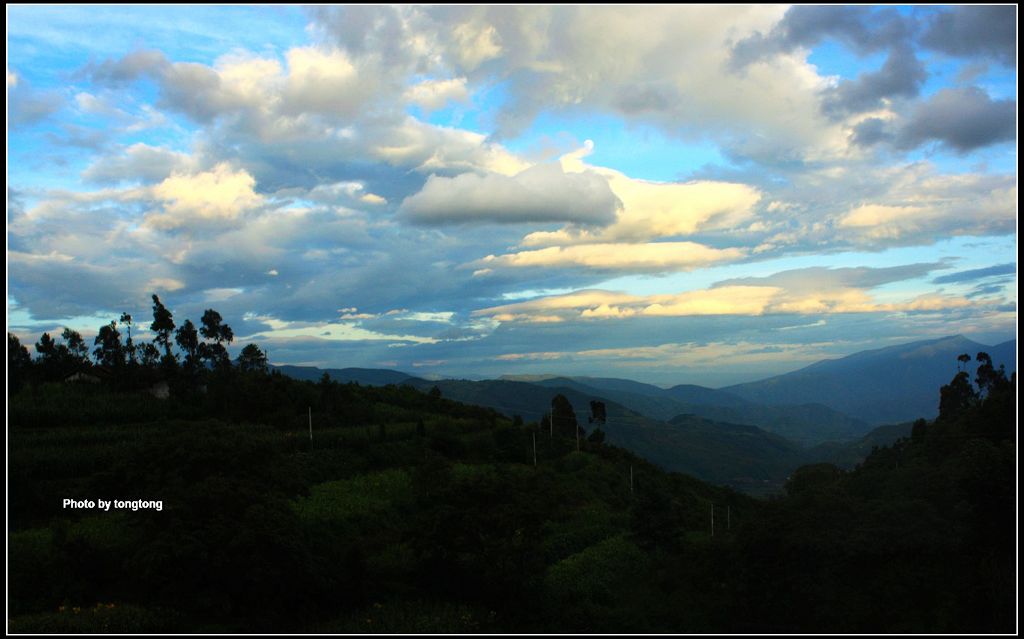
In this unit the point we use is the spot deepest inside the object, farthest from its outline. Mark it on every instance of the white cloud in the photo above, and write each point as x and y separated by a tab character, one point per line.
221	194
435	94
650	257
543	193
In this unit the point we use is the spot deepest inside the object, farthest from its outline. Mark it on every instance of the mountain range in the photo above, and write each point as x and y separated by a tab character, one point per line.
749	436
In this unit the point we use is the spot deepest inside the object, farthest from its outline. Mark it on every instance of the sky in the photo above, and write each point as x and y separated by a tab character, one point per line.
673	194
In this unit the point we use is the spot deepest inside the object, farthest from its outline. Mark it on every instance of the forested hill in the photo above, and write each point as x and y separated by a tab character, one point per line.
408	512
247	501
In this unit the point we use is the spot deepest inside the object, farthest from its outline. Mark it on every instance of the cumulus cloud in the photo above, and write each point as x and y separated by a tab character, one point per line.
652	210
931	206
864	29
665	66
221	194
902	76
542	193
435	94
975	31
137	162
963	119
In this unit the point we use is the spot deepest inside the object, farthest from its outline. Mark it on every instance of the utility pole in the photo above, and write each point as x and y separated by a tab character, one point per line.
534	449
577	438
311	428
631	479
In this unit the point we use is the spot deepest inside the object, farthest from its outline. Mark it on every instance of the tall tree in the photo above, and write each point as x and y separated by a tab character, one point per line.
563	417
163	326
188	340
213	328
129	345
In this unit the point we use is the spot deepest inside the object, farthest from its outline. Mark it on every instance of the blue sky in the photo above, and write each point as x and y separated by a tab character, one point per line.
672	194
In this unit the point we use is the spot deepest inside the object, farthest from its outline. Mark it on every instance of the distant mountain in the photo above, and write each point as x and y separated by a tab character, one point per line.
882	386
849	454
741	456
364	376
805	424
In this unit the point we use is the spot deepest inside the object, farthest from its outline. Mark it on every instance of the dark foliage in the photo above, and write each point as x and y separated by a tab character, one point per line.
409	512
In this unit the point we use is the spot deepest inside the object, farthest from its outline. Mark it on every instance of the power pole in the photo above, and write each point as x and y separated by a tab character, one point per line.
577	438
712	519
534	449
631	479
311	428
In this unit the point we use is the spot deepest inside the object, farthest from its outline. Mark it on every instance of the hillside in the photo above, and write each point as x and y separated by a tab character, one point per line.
882	386
405	512
805	424
741	456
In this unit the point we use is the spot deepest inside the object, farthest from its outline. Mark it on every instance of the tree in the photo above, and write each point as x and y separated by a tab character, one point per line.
598	413
78	350
149	354
214	328
19	363
129	345
188	340
64	357
109	351
962	360
163	326
563	417
957	396
252	359
988	377
46	347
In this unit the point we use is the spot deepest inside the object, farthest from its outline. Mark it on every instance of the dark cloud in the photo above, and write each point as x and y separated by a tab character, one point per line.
871	131
864	29
963	119
902	76
976	274
997	287
975	31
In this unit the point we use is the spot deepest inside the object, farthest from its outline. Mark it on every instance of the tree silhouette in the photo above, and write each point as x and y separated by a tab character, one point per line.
214	328
129	345
109	351
563	416
962	360
988	377
163	326
252	359
78	350
957	396
188	340
19	363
